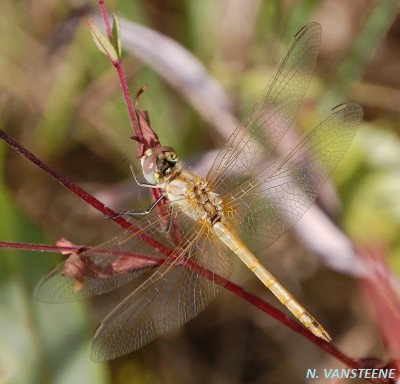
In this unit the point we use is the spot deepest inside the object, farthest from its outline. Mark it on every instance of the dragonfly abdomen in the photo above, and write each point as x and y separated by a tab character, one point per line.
235	244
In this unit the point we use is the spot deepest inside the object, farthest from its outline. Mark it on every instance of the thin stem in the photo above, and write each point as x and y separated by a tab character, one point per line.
228	285
133	117
82	194
105	18
122	79
128	99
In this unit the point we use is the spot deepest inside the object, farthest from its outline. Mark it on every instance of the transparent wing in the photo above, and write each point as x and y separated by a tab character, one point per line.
249	145
180	287
110	265
264	207
172	296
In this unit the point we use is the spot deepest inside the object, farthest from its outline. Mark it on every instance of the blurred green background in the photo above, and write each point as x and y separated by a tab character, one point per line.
60	98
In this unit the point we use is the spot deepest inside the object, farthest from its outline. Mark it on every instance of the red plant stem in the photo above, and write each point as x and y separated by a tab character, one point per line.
74	248
122	79
280	316
128	100
124	86
37	247
82	194
105	18
230	286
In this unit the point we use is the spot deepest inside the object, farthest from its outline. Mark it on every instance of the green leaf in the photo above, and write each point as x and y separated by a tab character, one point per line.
116	31
103	43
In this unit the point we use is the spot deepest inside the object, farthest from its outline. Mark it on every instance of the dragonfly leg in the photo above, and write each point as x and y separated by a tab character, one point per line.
141	183
137	213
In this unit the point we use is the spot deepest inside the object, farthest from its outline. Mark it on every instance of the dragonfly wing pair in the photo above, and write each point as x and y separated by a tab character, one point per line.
180	287
264	206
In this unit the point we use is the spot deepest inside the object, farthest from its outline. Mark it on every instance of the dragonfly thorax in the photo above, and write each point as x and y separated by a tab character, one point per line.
184	188
194	197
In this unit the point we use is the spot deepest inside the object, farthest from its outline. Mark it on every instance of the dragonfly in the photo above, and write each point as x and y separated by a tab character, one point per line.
249	198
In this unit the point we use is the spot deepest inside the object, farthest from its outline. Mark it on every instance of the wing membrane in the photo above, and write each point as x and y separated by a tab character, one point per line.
249	144
173	295
177	291
105	267
265	207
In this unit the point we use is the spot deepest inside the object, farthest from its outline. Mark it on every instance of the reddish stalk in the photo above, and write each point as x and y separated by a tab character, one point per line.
103	11
122	79
133	115
230	286
81	193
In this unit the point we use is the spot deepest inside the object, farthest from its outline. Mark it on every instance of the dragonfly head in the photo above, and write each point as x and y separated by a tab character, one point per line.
158	163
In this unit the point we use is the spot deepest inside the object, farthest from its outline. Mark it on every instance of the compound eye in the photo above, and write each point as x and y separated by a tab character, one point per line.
149	165
168	153
171	156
